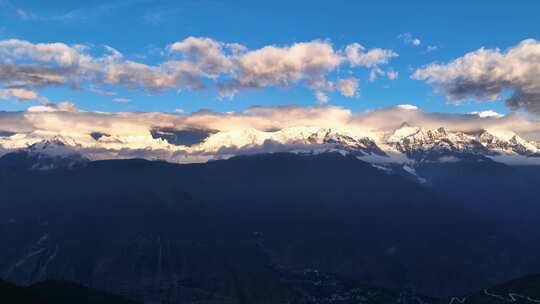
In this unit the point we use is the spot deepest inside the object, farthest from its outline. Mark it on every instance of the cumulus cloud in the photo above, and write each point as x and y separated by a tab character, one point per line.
207	55
284	66
59	53
485	74
137	76
358	57
191	64
348	87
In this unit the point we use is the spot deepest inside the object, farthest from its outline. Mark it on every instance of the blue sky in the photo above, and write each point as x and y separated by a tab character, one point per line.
141	30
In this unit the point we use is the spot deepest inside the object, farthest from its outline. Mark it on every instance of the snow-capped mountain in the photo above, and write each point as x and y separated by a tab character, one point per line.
430	145
57	152
406	144
299	139
58	146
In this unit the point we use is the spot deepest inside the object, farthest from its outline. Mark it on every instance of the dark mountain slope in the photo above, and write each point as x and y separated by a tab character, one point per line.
508	194
231	231
494	185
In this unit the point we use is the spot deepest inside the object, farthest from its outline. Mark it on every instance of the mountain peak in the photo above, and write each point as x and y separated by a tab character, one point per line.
56	146
405	130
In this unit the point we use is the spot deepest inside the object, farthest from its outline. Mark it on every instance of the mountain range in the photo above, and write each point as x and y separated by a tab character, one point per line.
404	145
246	216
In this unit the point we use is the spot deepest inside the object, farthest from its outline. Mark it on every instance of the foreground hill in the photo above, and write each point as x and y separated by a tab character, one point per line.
524	290
311	287
56	292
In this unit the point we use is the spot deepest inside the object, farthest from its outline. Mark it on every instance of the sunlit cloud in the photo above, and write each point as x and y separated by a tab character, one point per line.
65	116
485	74
195	63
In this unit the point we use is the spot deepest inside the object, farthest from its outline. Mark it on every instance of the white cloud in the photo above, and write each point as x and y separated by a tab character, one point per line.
65	106
374	57
348	87
407	107
68	119
284	66
486	73
393	117
194	63
22	94
137	76
58	53
488	113
207	55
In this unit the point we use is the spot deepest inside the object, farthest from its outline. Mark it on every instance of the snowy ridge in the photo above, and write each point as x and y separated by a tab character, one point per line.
406	144
423	145
301	139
